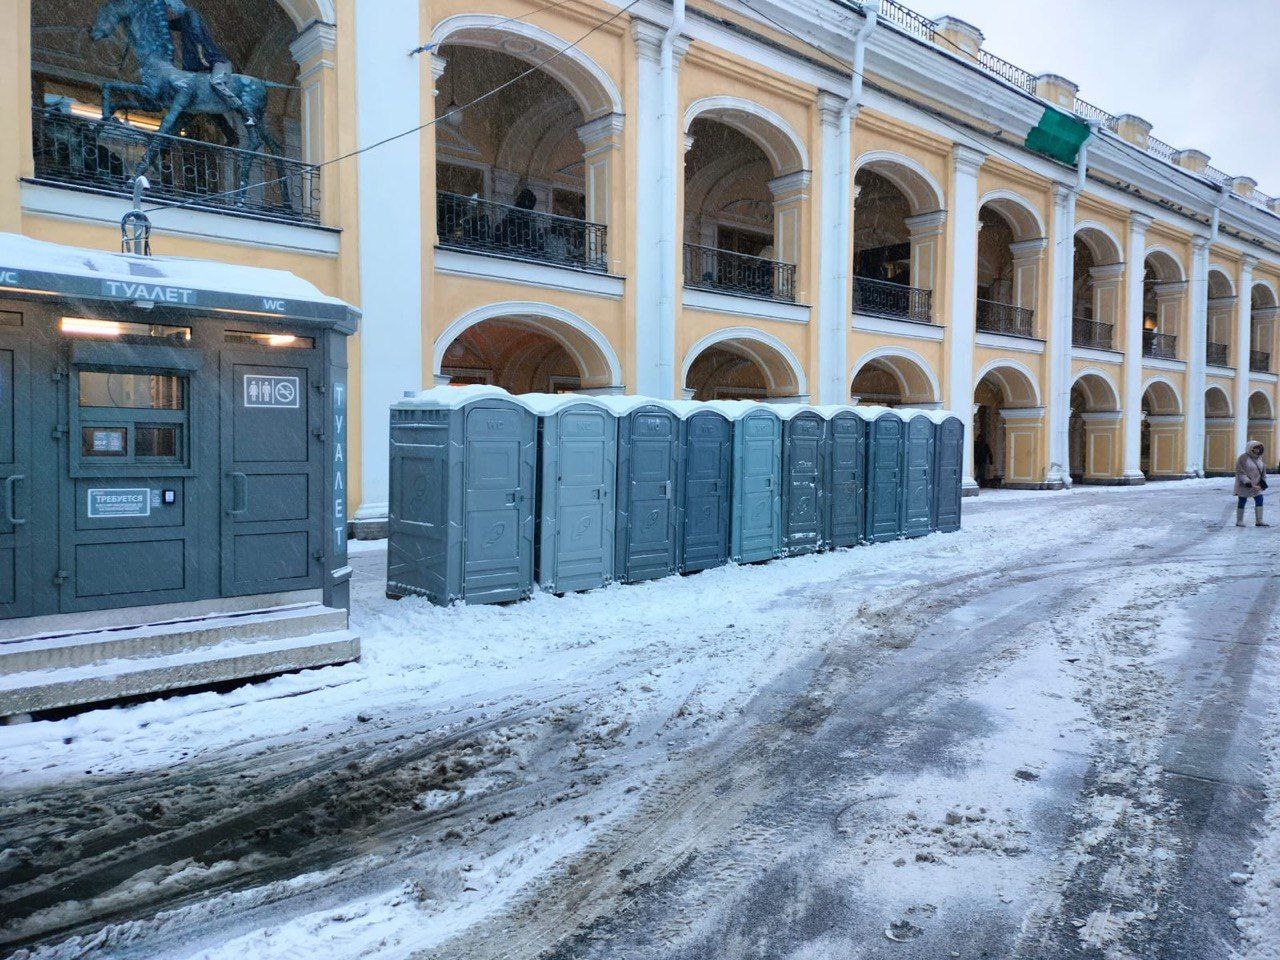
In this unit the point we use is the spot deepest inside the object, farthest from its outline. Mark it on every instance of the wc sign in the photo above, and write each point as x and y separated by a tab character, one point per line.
280	393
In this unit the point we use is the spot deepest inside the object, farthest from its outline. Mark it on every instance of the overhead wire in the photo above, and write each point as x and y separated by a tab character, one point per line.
206	198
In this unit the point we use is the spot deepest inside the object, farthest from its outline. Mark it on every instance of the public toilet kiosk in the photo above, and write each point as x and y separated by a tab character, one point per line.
172	474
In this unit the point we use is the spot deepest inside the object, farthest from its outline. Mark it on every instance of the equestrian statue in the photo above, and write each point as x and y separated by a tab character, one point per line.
203	86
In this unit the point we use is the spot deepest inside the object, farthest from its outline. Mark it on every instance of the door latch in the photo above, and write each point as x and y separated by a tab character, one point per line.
60	578
319	556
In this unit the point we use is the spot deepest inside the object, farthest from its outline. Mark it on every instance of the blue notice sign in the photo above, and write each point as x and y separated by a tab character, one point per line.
119	502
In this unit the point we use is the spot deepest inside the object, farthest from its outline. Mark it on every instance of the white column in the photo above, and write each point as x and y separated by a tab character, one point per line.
391	230
1244	343
648	266
1197	337
1137	258
1058	333
835	268
964	294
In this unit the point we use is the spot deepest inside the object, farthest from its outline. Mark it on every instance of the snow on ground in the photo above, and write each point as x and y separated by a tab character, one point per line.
1258	916
647	673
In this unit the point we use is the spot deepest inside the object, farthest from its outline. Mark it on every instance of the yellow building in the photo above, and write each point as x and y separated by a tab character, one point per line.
782	199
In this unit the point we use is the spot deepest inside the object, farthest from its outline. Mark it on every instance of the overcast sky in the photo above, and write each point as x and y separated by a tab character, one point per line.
1206	75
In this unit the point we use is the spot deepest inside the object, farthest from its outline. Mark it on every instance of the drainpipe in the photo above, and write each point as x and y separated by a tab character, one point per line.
667	191
843	261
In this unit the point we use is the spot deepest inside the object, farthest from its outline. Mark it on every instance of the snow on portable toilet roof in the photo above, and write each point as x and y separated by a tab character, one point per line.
450	398
546	404
623	405
37	266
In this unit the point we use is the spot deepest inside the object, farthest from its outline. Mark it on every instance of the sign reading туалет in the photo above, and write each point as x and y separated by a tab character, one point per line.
261	390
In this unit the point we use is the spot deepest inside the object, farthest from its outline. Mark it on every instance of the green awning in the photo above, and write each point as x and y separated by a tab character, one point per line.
1059	136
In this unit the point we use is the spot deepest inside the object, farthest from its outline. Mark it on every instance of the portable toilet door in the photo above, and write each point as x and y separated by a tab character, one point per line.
462	478
707	489
649	457
757	493
948	475
804	495
885	443
577	477
847	479
918	477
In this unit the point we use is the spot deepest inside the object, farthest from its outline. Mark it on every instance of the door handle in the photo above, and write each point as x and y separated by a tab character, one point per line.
239	494
666	490
10	490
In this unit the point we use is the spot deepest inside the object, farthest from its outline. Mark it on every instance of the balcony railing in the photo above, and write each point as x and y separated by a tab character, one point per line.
105	156
1007	318
469	223
1217	354
1259	361
706	268
1092	333
880	298
1159	346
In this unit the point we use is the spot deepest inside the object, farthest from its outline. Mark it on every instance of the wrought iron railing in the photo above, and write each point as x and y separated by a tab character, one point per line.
106	155
996	317
469	223
1086	332
707	268
1217	354
880	298
1159	346
1259	361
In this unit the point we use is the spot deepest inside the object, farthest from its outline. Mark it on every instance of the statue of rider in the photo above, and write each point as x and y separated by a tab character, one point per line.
201	54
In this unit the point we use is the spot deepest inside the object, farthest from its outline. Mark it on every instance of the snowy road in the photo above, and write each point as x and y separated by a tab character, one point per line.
1053	735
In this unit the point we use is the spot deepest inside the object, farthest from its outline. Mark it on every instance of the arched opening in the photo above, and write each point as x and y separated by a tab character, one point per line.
1163	289
742	367
522	172
897	226
1219	433
893	380
524	353
1162	422
1007	423
1098	272
1220	320
85	72
1262	328
1093	429
1262	422
744	194
1010	248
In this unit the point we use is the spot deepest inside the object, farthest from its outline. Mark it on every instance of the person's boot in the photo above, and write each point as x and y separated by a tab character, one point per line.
1257	518
1239	516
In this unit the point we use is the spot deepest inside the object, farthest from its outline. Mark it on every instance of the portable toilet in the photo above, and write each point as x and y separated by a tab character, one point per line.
757	484
463	477
804	480
706	491
577	478
948	474
847	479
650	455
918	476
886	441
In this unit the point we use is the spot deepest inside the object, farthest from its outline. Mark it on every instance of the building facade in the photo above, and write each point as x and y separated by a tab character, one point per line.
810	199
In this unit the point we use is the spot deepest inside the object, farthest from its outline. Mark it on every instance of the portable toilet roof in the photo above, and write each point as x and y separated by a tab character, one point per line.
451	398
625	405
549	404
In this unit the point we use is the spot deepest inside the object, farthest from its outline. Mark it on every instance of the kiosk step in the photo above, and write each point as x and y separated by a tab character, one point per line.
58	649
31	691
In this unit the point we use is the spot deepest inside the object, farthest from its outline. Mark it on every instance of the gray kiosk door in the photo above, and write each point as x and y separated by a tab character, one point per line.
15	471
272	455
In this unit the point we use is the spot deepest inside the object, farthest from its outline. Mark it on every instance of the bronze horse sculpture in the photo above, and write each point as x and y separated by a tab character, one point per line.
178	93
